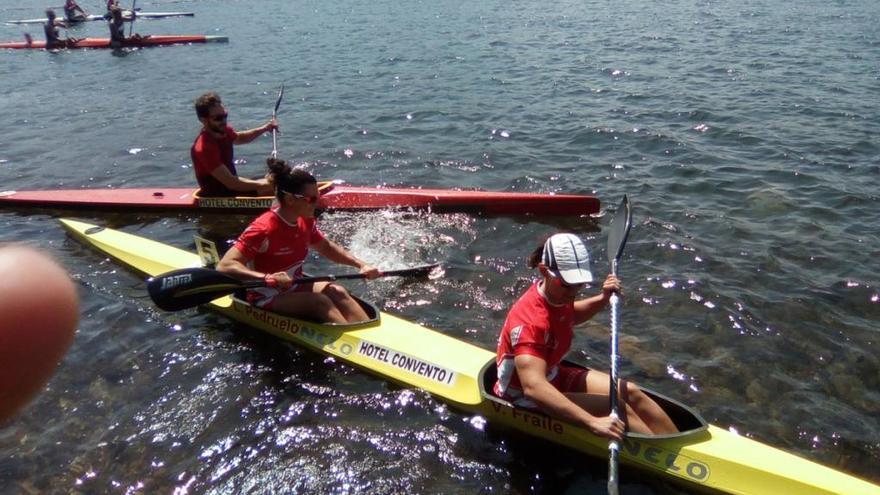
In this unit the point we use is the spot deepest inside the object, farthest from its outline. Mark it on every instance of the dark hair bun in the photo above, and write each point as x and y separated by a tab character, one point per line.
277	167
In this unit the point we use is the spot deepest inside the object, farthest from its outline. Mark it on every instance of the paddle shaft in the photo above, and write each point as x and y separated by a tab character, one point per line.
617	235
419	270
274	115
133	17
614	446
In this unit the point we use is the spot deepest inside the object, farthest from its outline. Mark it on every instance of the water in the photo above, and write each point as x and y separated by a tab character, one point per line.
744	133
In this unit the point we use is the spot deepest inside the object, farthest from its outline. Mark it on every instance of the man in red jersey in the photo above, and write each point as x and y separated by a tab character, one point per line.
537	335
275	245
212	152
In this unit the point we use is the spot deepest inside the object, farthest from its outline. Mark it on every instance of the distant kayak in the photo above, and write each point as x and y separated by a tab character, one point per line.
155	40
126	15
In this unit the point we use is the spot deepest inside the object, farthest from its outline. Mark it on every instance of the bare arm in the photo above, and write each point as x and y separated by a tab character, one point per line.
532	372
338	254
236	183
245	137
584	309
234	264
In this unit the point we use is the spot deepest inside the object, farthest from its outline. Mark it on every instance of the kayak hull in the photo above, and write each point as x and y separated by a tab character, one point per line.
703	456
126	15
334	197
152	40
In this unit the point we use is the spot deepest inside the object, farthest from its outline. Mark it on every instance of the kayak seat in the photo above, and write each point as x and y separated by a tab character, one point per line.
686	419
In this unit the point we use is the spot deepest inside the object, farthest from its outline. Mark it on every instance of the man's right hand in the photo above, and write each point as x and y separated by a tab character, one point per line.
272	125
264	188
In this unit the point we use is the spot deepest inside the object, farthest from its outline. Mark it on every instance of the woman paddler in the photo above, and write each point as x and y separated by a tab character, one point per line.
275	245
538	333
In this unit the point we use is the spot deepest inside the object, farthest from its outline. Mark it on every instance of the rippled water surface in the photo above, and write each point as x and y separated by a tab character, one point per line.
745	134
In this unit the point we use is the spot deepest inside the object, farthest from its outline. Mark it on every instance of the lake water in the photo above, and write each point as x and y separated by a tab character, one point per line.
744	133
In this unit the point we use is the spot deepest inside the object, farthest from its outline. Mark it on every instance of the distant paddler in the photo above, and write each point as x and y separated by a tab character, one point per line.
108	15
213	155
117	29
50	29
538	333
110	5
73	12
275	245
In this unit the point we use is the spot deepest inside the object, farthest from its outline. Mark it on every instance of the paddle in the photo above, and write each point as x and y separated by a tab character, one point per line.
617	234
190	287
133	17
274	113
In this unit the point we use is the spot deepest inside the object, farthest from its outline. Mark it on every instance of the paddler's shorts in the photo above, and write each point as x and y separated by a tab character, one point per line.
264	297
568	379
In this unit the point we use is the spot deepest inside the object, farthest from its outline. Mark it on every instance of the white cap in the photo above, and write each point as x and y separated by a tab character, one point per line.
566	257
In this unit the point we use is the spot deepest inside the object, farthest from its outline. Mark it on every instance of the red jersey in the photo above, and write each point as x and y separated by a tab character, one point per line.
537	328
274	245
208	153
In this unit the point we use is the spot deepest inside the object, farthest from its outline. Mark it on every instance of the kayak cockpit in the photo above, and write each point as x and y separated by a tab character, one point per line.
239	303
686	419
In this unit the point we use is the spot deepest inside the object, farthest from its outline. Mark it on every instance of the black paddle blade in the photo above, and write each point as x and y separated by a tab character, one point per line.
618	233
278	101
190	287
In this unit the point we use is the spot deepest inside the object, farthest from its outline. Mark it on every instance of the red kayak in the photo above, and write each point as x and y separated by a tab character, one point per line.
152	40
333	197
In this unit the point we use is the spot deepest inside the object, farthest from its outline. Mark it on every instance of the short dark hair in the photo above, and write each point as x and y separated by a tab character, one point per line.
205	103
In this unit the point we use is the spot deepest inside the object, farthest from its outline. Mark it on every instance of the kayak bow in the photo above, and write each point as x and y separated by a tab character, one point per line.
702	456
333	197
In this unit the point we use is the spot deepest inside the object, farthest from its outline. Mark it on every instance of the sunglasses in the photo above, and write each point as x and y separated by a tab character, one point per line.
220	117
308	199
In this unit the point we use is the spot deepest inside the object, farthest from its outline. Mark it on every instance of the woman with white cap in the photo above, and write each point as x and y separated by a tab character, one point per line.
537	335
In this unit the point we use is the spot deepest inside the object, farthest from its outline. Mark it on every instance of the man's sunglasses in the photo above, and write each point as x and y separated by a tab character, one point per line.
220	117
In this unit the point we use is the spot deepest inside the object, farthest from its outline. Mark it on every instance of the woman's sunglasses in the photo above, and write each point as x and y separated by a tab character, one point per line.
308	199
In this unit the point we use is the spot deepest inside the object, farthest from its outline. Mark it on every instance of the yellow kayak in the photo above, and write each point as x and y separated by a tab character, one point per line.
702	456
